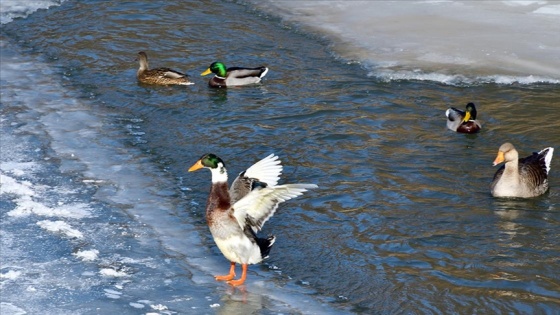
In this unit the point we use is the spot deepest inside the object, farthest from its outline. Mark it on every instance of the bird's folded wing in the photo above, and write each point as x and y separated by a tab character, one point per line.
454	114
168	73
244	72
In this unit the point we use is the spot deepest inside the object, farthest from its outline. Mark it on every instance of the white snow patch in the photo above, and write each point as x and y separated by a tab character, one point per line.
11	9
31	289
522	2
112	294
112	291
11	274
12	186
159	307
60	227
11	309
549	9
87	255
26	207
108	272
136	305
17	168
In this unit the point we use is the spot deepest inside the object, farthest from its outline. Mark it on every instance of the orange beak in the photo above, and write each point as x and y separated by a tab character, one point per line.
499	159
198	165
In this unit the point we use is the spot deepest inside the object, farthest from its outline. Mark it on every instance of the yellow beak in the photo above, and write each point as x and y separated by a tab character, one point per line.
467	117
198	165
499	159
208	71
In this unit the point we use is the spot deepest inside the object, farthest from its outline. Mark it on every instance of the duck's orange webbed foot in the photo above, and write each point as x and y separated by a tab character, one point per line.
229	276
241	280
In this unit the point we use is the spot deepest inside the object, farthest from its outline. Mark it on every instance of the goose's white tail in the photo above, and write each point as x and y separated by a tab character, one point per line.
547	157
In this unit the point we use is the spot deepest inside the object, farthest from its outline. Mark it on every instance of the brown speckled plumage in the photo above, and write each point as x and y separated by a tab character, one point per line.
159	76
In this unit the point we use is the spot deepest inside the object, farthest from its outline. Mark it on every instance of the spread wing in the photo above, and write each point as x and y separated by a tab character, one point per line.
265	172
260	204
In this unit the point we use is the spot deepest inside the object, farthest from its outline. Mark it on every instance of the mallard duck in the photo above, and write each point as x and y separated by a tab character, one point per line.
159	76
463	121
236	214
525	177
225	77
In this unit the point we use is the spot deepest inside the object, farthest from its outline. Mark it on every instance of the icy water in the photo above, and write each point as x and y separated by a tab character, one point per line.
100	216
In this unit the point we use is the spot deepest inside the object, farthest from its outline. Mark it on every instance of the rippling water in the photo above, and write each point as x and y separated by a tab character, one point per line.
403	221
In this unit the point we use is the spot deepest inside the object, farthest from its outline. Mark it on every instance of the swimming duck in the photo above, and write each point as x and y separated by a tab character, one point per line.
235	215
463	121
235	76
525	177
159	76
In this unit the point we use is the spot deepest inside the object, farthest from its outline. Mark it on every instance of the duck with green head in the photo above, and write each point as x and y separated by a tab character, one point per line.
159	76
463	121
235	214
235	76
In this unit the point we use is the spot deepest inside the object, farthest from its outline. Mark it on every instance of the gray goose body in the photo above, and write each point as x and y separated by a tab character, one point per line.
524	178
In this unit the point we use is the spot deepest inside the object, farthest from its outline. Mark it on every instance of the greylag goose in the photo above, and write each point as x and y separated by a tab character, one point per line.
526	177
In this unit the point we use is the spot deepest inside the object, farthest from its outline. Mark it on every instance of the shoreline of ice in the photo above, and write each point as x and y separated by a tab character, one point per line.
104	216
451	42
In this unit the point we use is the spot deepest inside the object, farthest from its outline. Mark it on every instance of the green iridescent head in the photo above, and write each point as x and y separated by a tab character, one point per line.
217	68
207	161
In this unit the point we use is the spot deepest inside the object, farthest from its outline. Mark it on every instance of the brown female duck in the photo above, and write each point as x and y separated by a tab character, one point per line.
159	76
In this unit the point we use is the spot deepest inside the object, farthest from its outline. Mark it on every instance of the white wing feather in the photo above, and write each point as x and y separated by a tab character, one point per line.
547	158
267	170
260	204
